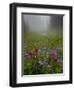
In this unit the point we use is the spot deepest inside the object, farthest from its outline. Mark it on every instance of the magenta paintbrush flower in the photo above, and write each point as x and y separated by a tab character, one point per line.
29	55
54	55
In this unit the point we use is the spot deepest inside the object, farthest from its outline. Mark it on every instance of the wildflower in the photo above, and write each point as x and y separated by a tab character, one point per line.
29	55
36	50
43	50
35	56
40	62
33	50
54	55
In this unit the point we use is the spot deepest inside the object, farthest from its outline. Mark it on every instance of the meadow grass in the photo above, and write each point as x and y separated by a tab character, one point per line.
43	53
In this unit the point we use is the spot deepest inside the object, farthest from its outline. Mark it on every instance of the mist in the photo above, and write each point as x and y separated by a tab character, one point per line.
41	23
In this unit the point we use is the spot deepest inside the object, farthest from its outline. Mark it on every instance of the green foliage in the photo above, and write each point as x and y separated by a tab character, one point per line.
36	40
56	68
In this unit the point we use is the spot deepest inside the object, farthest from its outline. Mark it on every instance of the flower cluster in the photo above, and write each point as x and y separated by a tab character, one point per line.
44	60
47	54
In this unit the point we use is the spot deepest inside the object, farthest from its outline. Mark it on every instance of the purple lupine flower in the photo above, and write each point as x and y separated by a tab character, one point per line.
54	55
30	55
